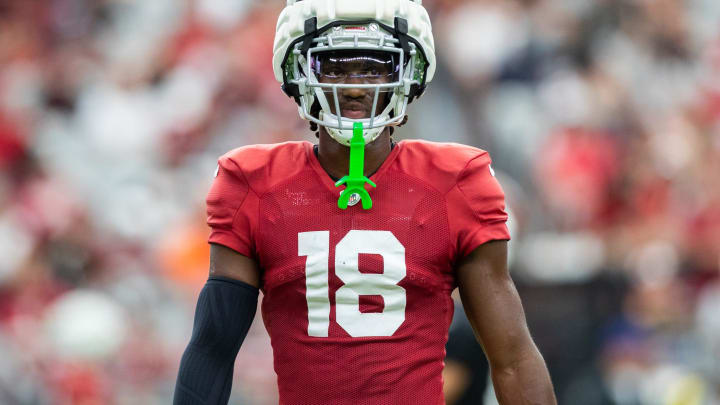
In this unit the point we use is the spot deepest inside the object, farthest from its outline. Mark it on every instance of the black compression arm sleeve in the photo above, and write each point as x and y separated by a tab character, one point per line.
224	312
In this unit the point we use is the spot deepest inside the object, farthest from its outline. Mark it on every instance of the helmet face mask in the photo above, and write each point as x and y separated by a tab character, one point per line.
356	37
361	58
348	67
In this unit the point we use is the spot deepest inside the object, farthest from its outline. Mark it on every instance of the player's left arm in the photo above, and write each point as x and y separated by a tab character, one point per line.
494	309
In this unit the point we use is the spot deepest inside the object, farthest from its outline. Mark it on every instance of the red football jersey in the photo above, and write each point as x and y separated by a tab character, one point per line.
357	302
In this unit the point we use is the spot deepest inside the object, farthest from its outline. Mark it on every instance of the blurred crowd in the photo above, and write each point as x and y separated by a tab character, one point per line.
602	117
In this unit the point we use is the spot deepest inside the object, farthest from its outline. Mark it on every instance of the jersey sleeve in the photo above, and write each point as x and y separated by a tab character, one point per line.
476	207
232	209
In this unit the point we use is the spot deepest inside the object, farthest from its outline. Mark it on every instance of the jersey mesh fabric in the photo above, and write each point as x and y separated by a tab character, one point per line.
404	368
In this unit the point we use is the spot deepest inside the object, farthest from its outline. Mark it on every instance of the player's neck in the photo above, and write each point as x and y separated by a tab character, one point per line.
335	158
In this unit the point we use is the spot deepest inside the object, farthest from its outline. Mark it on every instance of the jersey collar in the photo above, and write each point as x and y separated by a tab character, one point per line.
325	178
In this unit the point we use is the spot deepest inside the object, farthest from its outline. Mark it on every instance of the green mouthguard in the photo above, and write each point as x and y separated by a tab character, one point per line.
355	181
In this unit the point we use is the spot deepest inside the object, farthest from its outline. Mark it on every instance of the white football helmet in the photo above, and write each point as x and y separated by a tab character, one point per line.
310	27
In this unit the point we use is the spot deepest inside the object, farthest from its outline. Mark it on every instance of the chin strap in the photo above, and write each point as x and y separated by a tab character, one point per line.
355	181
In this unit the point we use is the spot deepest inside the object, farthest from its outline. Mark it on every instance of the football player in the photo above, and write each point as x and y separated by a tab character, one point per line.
357	242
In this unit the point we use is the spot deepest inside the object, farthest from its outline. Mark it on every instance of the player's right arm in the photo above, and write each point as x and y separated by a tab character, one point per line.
227	303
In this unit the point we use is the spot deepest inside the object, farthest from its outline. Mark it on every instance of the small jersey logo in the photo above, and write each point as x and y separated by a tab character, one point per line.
354	199
491	170
217	170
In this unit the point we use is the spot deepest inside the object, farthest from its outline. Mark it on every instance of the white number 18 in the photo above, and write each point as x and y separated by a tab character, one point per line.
316	246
